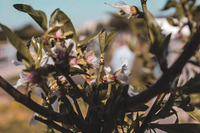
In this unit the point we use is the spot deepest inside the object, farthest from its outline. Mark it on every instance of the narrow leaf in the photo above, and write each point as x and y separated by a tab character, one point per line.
18	44
38	16
74	71
89	38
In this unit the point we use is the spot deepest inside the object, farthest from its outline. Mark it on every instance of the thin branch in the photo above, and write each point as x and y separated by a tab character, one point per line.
162	85
53	125
29	103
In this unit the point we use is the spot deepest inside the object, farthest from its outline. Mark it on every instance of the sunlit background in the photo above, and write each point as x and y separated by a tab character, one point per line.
86	15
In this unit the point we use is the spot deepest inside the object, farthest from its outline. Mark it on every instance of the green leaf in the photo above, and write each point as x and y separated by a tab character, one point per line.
177	128
165	42
172	22
155	33
102	41
141	107
89	38
165	111
74	71
103	88
109	39
38	16
59	16
179	14
18	44
170	4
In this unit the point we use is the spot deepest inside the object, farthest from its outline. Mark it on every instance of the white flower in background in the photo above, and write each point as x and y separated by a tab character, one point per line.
125	9
122	74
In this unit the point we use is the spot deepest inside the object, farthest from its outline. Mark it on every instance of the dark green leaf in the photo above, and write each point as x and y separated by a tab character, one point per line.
172	22
192	86
141	107
137	123
165	111
165	42
38	16
18	44
102	41
74	71
179	14
170	4
177	128
52	99
155	33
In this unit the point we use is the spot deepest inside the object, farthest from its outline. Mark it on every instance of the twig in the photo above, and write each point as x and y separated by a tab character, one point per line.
53	125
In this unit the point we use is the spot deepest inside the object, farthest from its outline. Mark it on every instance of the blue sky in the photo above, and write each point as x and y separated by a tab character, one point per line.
79	11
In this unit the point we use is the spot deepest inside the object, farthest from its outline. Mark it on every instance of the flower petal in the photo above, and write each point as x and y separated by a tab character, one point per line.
19	83
39	91
78	79
33	121
131	91
107	70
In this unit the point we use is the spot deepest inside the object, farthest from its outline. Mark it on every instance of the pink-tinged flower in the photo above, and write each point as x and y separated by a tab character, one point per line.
20	81
122	74
73	61
59	34
126	9
91	58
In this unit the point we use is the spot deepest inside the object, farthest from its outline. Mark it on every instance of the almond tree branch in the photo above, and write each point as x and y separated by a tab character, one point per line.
53	125
29	103
162	85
